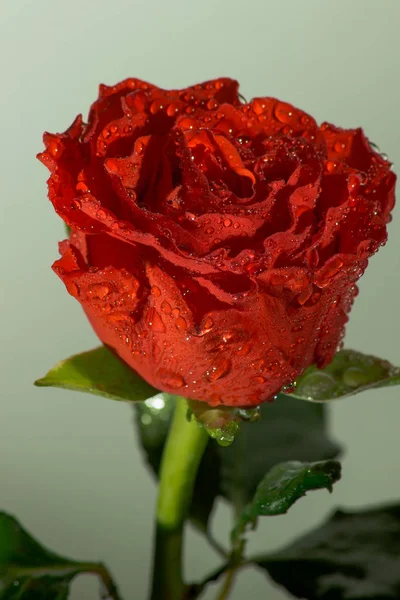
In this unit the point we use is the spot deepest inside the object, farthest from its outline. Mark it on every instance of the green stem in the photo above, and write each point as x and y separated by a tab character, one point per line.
181	458
228	583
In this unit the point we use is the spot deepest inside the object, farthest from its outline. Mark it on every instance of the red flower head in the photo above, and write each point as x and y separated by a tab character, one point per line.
215	245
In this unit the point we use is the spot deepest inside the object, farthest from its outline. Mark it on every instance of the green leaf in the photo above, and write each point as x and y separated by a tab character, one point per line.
98	372
282	486
287	430
29	571
354	555
349	373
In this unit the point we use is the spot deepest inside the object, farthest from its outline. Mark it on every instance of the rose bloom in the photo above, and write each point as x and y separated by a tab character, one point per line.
215	244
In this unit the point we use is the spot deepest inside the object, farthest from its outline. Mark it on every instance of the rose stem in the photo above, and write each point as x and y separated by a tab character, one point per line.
183	450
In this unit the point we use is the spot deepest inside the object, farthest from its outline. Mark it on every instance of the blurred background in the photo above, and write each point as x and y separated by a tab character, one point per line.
70	466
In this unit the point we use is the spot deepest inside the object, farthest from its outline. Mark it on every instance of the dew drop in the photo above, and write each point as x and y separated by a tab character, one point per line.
259	379
209	230
172	110
355	377
227	222
170	379
250	414
155	291
304	296
155	321
212	104
244	350
156	106
53	147
214	400
205	326
283	112
181	324
176	312
339	147
101	214
353	183
289	389
331	166
166	308
139	147
219	370
98	290
112	165
244	141
208	324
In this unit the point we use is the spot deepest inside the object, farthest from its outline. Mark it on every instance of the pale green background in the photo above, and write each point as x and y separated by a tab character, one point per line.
69	463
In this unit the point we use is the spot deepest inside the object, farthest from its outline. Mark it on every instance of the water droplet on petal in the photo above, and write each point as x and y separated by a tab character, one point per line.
353	183
212	104
170	379
172	110
181	324
221	369
176	312
155	321
339	146
98	290
101	214
283	112
244	350
155	291
227	222
305	120
331	166
166	308
328	271
156	106
304	296
53	147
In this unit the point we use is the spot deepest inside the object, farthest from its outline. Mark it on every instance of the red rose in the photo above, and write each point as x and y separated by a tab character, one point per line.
215	245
